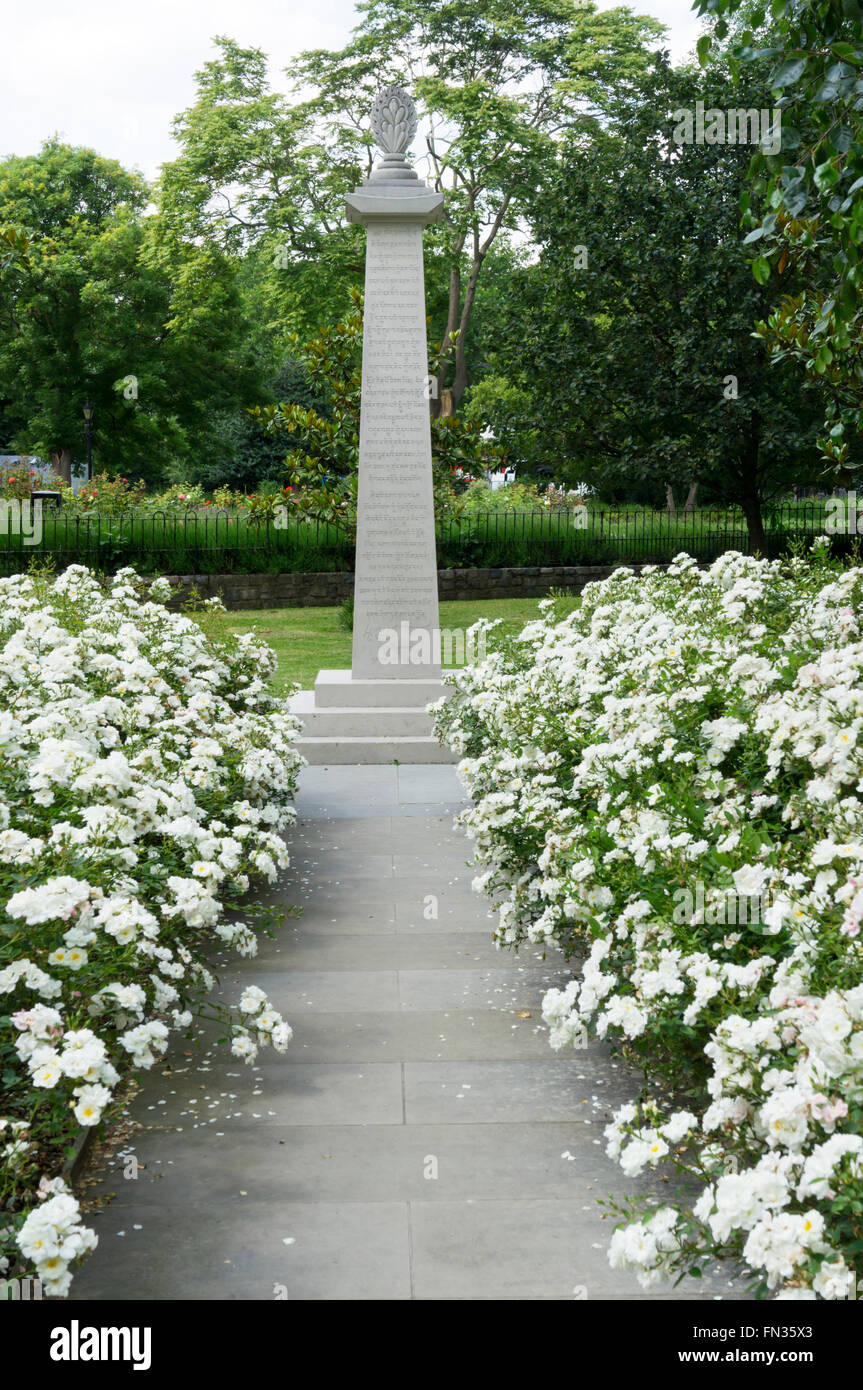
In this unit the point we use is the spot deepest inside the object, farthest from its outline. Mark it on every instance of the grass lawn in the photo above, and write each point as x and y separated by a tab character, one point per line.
307	639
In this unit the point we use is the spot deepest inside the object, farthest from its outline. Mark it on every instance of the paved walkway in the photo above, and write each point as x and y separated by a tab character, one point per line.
420	1140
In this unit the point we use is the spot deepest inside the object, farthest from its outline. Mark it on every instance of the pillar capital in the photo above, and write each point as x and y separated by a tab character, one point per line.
393	192
379	201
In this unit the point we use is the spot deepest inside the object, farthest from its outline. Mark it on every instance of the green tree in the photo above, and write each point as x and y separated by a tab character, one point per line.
244	454
495	86
257	177
803	204
507	411
110	305
637	321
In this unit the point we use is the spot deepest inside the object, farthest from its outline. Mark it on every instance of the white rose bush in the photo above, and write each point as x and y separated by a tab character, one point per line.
145	775
668	782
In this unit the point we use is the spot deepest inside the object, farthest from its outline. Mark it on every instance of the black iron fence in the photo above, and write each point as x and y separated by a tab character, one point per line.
208	541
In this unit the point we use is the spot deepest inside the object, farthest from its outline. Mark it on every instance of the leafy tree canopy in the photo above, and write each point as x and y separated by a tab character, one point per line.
637	321
108	304
804	205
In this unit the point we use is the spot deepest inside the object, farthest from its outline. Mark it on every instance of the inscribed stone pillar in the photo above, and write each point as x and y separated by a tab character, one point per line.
396	566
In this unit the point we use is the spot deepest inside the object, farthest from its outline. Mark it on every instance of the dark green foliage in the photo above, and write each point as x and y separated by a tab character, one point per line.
635	356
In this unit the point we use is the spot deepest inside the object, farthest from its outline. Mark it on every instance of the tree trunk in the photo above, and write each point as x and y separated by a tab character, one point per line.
61	462
750	500
669	501
446	346
689	505
754	524
459	384
459	319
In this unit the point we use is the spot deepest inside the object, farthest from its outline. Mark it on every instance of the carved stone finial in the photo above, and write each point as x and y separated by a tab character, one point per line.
394	120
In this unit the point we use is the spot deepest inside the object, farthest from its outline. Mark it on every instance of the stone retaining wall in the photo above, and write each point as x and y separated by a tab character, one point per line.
240	591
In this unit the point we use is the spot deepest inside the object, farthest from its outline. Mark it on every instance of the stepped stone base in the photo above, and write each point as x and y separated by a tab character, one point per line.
349	721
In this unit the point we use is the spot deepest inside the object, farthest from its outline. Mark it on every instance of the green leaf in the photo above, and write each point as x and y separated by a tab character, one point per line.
788	73
761	270
826	176
790	137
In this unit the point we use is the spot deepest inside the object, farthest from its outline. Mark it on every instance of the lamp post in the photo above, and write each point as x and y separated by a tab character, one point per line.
88	414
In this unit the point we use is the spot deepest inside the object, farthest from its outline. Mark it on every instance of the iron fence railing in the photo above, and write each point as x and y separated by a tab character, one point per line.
213	541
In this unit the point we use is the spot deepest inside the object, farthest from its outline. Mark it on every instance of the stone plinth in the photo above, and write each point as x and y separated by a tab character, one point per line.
368	721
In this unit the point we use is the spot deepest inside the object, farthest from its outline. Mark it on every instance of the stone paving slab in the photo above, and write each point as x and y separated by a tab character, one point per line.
463	1092
293	992
364	919
404	834
317	1093
420	1140
357	865
364	1163
415	1037
332	793
354	903
237	1251
514	988
310	950
497	1249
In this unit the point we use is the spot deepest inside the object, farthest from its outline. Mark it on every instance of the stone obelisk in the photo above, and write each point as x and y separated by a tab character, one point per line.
396	567
375	712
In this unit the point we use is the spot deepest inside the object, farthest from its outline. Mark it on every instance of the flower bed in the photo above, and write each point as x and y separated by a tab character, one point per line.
669	779
145	775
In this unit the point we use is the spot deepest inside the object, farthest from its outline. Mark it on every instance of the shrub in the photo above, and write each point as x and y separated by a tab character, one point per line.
17	480
668	780
146	774
107	496
179	498
479	496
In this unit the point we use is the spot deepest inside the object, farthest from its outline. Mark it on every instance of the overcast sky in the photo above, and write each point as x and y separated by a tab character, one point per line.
112	76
